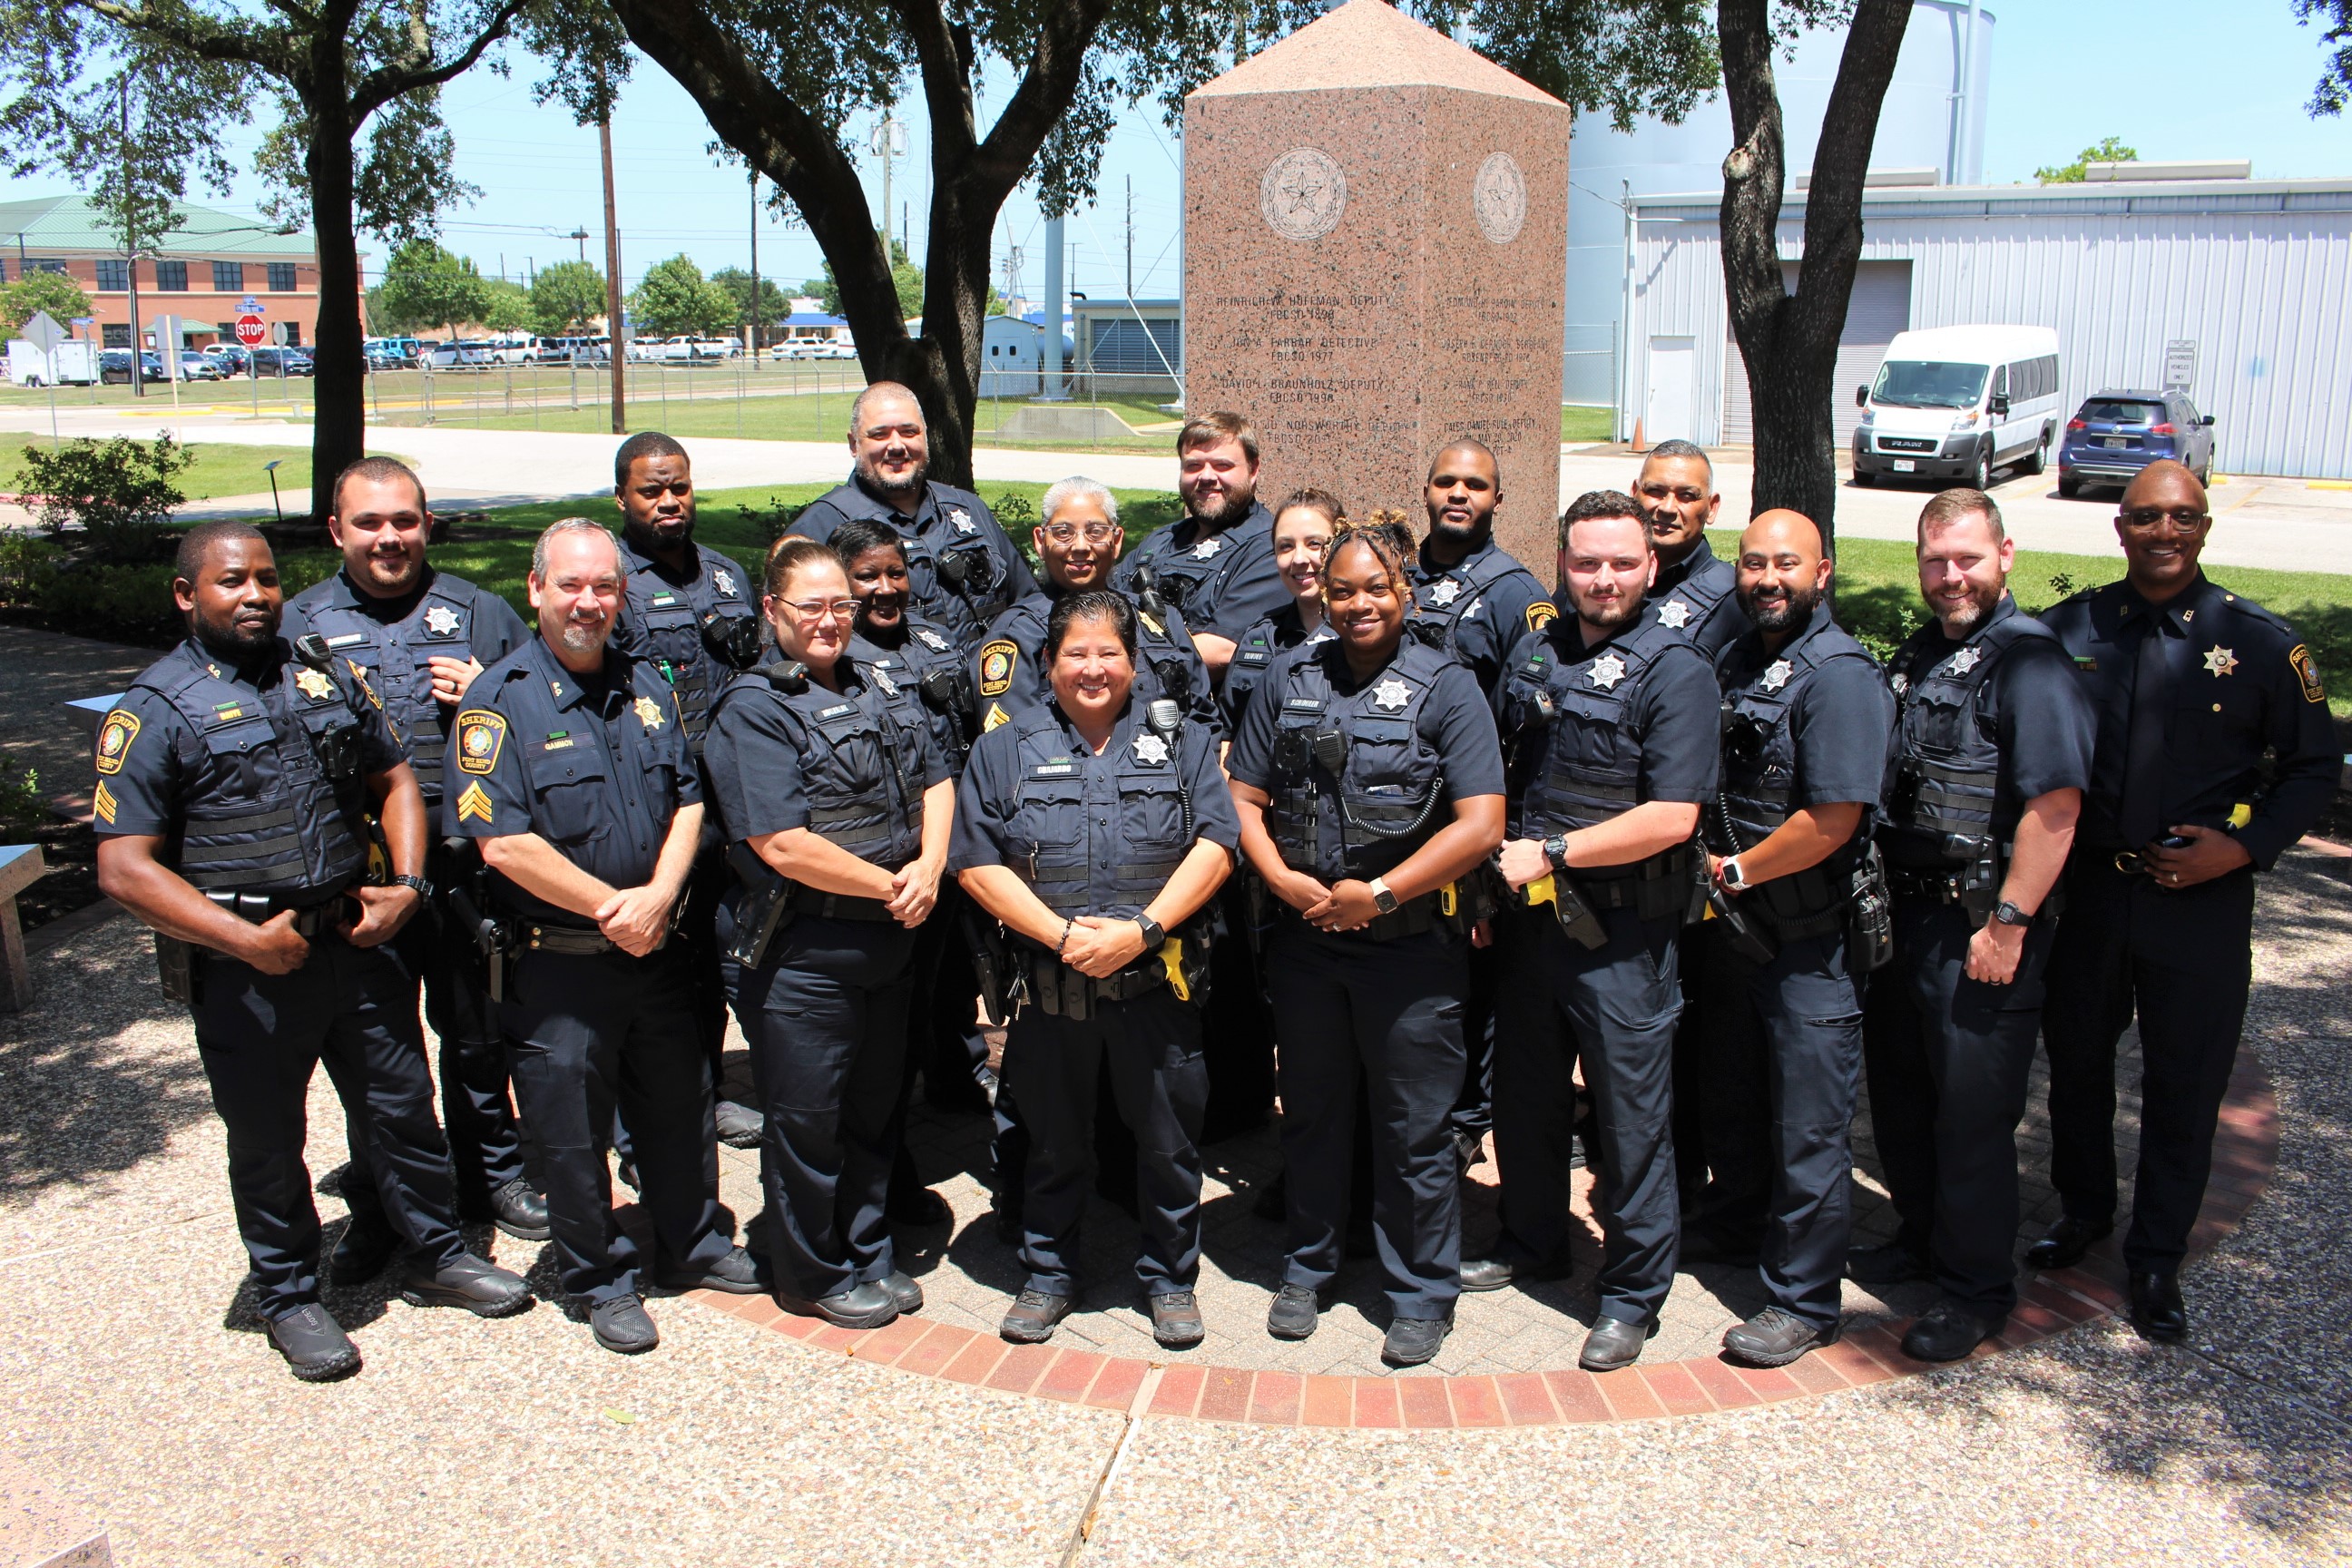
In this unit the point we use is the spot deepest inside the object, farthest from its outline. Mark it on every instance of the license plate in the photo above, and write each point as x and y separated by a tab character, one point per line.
1905	466
2117	442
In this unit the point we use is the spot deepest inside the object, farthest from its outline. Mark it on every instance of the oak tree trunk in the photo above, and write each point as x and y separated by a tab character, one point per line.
339	435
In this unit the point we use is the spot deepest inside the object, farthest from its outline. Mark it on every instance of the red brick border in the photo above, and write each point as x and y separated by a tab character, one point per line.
2245	1155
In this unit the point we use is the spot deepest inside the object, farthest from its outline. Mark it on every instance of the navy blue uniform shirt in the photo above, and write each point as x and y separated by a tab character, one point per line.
394	641
1697	596
929	653
662	615
597	766
1009	670
1254	654
1843	720
2242	684
948	525
1491	600
1219	581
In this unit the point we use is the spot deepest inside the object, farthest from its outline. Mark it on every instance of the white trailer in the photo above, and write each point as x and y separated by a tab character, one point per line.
71	364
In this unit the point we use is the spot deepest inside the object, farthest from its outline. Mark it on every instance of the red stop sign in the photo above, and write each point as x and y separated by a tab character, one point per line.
250	332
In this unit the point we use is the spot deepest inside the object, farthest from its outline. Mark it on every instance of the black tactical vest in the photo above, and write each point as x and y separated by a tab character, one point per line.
861	761
1049	844
1440	604
1564	709
1355	763
1760	770
1947	767
399	661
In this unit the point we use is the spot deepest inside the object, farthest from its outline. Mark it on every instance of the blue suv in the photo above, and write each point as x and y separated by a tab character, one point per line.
2115	435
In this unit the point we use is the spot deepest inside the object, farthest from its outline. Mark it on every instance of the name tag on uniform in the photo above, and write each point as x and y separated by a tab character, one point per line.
1303	705
347	640
659	600
1053	770
837	710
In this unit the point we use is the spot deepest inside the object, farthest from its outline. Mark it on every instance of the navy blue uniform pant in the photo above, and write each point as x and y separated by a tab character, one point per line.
1474	1108
826	1015
259	1036
1614	1008
589	1034
944	1040
485	1140
1784	1062
1149	1048
1947	1058
2182	962
1387	1015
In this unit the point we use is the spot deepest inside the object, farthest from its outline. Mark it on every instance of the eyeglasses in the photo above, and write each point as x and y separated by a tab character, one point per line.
818	609
1096	533
2187	518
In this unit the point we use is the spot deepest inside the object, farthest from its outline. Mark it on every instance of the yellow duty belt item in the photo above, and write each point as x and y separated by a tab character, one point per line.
1542	891
1449	899
1172	958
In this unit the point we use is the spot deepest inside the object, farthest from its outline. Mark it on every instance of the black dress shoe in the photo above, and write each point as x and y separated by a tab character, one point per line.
1032	1318
367	1244
1890	1264
1947	1331
734	1271
1292	1314
315	1347
2156	1309
622	1326
738	1126
1176	1319
1494	1273
862	1306
2066	1242
1775	1338
917	1206
1414	1342
520	1210
904	1290
1614	1343
482	1288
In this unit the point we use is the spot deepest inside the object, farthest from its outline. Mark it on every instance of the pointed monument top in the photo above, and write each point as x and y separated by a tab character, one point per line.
1370	43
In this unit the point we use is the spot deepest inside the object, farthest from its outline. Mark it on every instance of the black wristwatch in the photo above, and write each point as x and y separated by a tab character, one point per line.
2008	914
1555	852
1153	936
417	885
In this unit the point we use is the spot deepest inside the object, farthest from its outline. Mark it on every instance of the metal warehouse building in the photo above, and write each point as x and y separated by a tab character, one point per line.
2242	287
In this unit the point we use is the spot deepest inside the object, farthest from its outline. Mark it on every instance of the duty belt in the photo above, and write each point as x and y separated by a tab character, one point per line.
1937	886
1411	918
310	919
1061	991
837	906
573	940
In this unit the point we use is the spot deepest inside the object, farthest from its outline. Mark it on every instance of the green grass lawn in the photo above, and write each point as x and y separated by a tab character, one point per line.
220	469
1579	427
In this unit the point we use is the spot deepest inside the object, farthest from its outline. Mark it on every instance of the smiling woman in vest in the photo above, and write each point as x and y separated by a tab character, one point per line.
836	807
1095	829
1369	784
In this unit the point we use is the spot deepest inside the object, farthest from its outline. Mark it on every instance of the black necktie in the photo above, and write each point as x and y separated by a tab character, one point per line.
2139	814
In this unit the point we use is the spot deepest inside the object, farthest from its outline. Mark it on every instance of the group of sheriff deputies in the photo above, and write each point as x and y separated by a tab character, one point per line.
1644	873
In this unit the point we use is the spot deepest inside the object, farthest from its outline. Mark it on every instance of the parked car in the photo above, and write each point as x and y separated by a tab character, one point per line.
114	367
814	348
1956	402
235	359
197	365
719	348
511	348
2116	434
461	353
575	350
284	361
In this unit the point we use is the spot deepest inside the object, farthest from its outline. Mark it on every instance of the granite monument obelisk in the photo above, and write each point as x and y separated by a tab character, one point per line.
1375	222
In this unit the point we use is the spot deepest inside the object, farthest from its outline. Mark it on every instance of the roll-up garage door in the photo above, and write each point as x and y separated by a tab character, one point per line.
1879	307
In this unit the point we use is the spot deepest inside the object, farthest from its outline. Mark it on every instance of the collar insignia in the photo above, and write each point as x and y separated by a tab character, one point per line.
1777	675
1445	592
1674	613
1208	547
1150	748
724	581
1391	694
2220	661
213	670
650	713
314	685
1607	671
555	688
1966	660
442	621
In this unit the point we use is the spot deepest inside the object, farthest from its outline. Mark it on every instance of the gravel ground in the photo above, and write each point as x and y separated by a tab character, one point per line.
134	1384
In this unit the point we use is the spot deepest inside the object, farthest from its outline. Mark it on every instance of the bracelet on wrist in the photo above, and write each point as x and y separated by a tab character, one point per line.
1061	946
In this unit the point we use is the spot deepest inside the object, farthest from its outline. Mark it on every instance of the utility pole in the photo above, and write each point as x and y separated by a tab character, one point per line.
581	234
613	322
1130	239
130	263
752	314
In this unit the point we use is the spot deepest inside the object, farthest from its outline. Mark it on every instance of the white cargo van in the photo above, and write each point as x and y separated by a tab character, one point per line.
1956	402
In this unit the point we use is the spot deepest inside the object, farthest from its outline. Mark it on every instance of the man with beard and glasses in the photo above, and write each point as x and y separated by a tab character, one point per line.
420	636
688	613
1215	563
587	803
1472	599
1693	592
1806	721
1992	755
1609	732
233	783
960	564
2215	753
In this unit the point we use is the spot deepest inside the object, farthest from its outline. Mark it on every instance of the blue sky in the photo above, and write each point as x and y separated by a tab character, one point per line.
2175	78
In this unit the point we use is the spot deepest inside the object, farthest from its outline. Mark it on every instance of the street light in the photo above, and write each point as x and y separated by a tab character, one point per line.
270	469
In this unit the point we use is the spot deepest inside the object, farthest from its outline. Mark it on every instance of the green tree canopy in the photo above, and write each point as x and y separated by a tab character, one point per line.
55	293
2110	151
676	297
904	276
506	306
423	285
2335	77
566	297
774	306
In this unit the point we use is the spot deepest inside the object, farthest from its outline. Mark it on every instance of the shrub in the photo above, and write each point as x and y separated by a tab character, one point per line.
119	492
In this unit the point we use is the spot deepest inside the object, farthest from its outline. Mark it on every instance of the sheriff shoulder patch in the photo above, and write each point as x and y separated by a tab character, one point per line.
480	733
1541	614
996	662
114	738
2304	671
